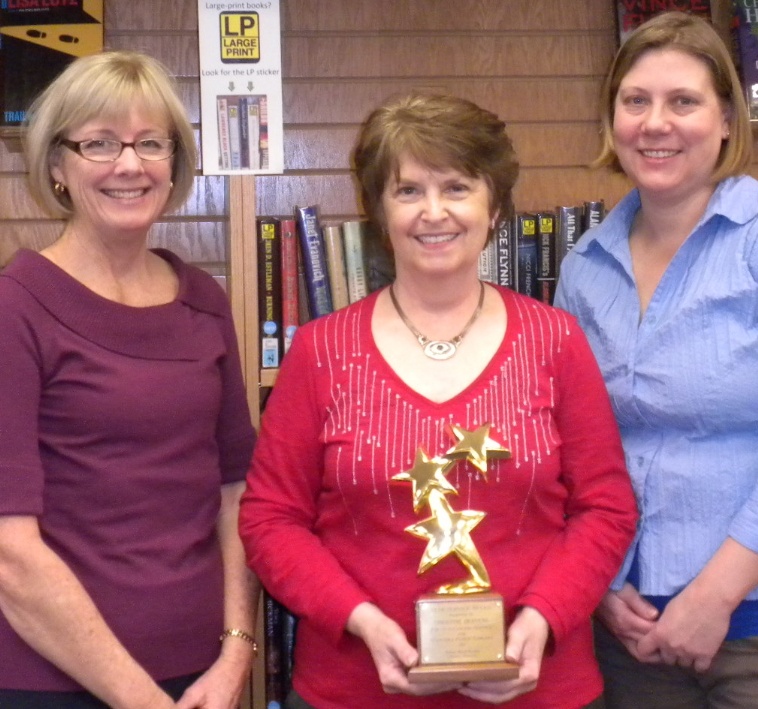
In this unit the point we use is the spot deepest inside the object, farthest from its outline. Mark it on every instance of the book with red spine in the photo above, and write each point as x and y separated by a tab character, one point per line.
290	294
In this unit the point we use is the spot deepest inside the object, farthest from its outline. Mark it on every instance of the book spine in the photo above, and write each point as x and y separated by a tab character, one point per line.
335	259
380	264
304	307
527	254
314	259
592	214
287	642
290	295
488	262
354	235
546	246
505	252
567	228
273	652
269	291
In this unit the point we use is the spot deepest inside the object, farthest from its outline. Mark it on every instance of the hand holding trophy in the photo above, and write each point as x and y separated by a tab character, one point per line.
461	626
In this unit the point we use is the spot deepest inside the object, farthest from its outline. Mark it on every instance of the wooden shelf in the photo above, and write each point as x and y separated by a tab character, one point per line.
268	377
11	135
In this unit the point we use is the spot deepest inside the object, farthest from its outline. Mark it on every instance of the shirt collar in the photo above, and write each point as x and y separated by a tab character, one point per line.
735	199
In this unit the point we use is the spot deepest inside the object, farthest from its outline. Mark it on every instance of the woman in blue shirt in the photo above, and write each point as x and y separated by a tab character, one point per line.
666	289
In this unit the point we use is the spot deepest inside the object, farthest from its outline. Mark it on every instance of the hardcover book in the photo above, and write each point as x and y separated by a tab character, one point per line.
272	614
354	233
38	40
630	14
567	230
592	214
270	292
314	261
505	253
380	265
335	258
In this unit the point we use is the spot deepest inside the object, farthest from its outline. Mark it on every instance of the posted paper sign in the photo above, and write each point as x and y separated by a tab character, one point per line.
241	87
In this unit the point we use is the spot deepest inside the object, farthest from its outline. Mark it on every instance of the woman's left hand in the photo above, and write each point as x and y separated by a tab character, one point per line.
527	638
689	632
220	687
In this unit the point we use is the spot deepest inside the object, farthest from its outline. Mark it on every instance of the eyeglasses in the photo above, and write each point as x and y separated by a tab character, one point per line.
105	150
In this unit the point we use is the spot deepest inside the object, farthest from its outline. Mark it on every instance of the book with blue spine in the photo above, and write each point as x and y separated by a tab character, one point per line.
527	255
314	259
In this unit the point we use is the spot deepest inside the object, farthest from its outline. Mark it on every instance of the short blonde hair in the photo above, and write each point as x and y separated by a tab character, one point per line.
694	36
105	85
440	131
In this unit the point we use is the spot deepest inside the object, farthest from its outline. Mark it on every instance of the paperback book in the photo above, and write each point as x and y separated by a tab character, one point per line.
270	292
290	289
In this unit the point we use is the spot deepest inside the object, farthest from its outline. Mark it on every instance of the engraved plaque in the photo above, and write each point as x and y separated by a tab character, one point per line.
461	628
461	638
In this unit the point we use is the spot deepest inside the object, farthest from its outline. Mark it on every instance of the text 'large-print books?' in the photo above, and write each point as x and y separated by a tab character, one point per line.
38	39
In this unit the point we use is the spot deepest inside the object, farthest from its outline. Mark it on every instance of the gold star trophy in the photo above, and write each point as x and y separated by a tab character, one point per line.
461	626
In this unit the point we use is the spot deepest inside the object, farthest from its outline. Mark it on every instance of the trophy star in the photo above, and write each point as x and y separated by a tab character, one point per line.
427	474
476	446
449	533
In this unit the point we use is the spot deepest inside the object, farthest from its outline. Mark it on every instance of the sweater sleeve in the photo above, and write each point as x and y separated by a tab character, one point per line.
234	431
601	512
279	510
21	475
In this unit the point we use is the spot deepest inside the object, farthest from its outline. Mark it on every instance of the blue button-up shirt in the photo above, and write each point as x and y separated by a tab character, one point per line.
683	380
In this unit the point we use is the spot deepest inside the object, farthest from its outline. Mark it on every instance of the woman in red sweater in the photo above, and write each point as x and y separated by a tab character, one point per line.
372	391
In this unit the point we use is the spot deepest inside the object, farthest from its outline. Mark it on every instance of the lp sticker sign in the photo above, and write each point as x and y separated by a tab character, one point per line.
240	37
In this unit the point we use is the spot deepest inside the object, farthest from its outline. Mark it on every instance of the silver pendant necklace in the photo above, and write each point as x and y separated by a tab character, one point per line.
439	349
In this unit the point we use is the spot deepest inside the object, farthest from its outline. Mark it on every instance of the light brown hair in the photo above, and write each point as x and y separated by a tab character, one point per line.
441	132
694	36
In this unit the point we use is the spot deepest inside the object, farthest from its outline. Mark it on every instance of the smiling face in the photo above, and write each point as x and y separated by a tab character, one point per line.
668	125
123	197
437	220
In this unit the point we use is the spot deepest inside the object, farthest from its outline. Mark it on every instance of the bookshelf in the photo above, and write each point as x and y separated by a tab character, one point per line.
537	63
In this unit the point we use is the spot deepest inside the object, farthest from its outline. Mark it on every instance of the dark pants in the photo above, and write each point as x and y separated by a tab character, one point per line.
730	683
23	699
295	701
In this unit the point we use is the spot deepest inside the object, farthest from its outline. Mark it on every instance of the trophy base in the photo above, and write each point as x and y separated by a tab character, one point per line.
463	672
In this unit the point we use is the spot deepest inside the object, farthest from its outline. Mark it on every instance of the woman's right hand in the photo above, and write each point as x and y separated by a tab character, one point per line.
47	606
393	655
629	617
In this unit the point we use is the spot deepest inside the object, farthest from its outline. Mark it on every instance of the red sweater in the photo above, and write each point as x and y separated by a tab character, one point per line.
323	522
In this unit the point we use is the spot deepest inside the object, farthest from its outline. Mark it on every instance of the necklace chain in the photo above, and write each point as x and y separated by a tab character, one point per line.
439	349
